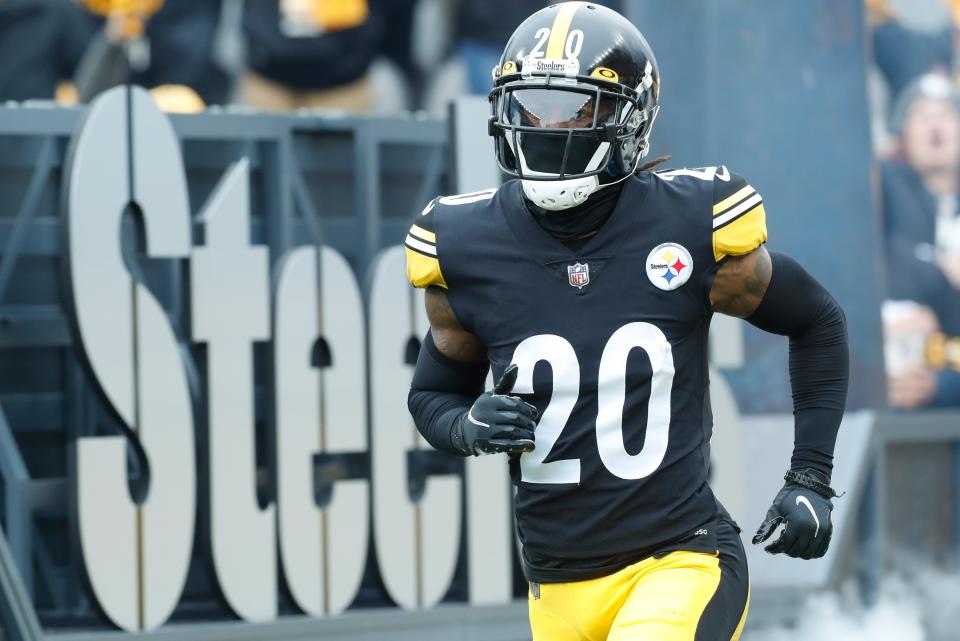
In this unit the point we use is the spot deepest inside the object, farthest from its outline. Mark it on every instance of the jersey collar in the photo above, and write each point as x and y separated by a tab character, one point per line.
547	250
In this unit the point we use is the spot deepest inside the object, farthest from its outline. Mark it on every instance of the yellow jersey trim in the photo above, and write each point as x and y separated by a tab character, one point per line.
741	235
727	203
423	270
423	234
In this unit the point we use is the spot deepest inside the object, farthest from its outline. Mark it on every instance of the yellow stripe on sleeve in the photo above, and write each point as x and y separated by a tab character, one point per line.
560	31
423	271
726	203
423	234
743	235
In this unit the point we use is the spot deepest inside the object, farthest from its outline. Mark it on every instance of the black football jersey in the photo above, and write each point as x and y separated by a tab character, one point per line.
611	344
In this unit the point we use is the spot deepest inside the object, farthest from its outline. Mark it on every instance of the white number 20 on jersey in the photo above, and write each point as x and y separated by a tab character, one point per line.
611	395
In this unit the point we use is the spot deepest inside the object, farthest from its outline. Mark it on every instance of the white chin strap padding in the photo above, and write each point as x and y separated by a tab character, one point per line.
556	195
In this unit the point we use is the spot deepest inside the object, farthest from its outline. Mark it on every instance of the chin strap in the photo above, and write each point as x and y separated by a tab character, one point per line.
557	195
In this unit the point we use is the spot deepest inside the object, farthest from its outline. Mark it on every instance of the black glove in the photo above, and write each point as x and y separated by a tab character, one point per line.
804	507
497	422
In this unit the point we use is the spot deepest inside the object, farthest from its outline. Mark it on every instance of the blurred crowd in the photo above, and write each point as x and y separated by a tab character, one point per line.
916	132
359	56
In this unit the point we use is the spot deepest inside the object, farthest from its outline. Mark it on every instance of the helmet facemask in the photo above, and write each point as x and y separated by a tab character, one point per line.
568	137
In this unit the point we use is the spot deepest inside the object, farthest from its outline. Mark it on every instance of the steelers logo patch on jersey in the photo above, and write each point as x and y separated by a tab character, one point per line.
669	266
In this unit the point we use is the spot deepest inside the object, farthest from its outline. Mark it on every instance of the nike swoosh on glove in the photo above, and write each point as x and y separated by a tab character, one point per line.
497	421
804	508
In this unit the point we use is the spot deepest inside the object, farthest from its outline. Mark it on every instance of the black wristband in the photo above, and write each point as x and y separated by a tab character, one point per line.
807	480
458	440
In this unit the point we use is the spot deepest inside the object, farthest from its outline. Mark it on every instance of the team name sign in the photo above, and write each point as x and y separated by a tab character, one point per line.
312	315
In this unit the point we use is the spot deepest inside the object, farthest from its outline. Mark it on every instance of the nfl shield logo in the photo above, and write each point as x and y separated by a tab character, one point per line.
579	275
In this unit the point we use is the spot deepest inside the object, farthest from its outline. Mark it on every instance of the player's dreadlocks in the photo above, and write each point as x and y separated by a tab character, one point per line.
647	166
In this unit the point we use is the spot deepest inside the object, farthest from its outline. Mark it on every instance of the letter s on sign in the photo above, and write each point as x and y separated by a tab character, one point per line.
136	556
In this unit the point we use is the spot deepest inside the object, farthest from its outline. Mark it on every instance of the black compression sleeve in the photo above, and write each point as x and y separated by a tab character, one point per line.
796	305
442	391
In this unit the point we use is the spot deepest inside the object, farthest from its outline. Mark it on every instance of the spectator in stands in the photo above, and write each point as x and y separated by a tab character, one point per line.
396	42
921	320
182	36
483	27
165	44
41	42
910	38
311	53
904	53
921	184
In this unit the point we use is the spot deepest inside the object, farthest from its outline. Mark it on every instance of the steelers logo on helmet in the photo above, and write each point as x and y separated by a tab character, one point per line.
669	266
576	115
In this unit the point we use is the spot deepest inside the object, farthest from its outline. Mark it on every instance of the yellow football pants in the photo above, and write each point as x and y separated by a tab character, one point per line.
653	600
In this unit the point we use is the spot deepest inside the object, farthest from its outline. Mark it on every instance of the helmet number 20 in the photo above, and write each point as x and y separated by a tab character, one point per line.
611	396
572	47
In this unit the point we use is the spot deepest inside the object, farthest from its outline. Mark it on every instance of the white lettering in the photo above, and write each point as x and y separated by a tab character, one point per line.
136	555
320	408
417	542
230	301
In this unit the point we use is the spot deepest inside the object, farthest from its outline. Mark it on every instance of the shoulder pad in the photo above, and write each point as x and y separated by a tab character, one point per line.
739	220
423	265
706	174
468	199
423	259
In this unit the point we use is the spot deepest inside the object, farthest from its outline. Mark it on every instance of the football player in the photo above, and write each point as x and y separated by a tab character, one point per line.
587	284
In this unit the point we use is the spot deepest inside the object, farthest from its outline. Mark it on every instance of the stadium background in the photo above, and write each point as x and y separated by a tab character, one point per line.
795	96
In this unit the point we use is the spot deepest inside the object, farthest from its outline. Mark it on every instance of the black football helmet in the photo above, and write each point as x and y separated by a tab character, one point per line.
575	97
